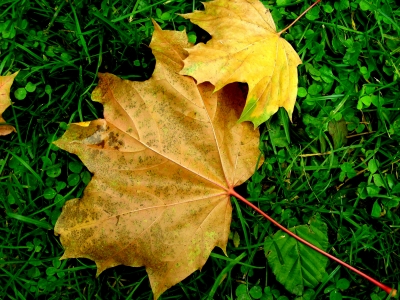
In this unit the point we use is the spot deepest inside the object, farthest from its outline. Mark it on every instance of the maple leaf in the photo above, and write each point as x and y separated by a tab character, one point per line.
165	159
245	47
5	101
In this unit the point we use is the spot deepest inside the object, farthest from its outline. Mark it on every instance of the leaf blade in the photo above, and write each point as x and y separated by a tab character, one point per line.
302	266
5	101
166	146
248	49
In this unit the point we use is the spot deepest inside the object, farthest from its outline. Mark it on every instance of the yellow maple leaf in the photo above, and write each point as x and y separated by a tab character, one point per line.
5	101
245	47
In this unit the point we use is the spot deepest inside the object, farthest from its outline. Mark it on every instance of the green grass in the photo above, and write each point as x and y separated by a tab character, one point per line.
349	86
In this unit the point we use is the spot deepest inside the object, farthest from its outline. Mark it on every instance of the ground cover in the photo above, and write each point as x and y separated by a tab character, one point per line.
338	159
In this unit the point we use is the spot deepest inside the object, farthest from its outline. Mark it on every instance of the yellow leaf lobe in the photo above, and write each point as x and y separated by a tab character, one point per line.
5	101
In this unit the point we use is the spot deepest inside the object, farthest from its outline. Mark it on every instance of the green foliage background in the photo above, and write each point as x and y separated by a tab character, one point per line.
339	159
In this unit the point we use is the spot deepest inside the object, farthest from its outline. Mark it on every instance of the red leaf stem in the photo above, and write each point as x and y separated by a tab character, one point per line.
386	288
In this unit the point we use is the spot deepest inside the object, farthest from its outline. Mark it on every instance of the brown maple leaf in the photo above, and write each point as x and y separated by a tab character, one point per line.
5	101
165	159
245	47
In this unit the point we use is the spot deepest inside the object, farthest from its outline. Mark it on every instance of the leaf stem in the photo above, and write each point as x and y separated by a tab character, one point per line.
386	288
304	12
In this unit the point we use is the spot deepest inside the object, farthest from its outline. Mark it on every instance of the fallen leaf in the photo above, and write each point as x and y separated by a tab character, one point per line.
5	101
165	159
338	131
245	47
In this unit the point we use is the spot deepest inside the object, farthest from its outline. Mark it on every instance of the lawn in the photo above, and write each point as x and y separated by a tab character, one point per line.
338	161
